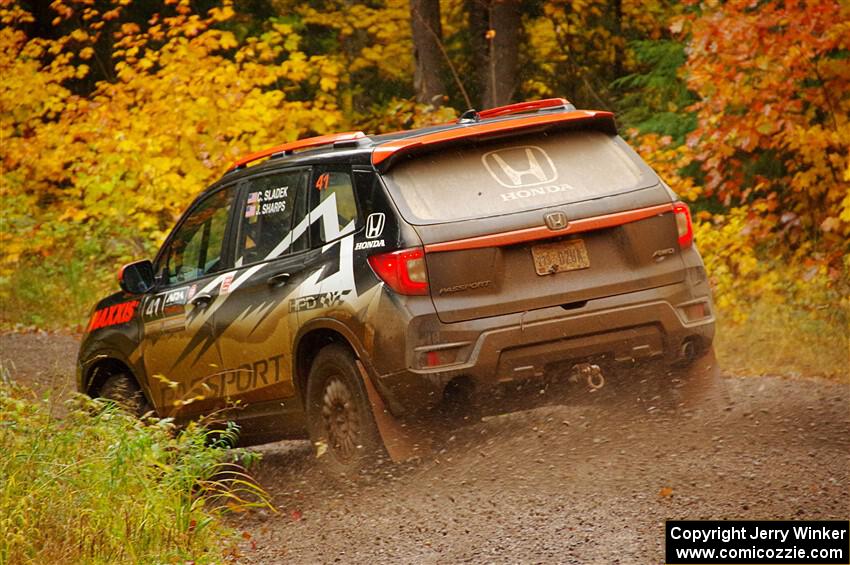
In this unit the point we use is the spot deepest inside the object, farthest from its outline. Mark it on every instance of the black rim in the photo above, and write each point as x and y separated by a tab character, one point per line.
341	419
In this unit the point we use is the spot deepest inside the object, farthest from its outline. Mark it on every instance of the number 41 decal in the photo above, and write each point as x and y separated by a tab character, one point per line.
323	181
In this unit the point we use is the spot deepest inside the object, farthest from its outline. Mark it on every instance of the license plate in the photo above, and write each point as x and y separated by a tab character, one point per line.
561	256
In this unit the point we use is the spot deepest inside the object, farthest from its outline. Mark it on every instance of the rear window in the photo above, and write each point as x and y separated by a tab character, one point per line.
520	174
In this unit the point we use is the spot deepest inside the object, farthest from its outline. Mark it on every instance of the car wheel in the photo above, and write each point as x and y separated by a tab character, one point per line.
339	416
125	392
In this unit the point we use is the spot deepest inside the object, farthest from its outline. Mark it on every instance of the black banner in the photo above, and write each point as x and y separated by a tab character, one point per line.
745	542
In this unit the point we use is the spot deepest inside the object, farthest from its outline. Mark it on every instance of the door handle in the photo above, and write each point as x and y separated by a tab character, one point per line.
201	301
278	279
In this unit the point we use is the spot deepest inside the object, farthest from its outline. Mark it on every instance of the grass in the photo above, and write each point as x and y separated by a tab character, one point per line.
52	294
100	486
784	340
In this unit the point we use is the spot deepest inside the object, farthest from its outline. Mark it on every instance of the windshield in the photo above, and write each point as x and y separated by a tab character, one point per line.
519	174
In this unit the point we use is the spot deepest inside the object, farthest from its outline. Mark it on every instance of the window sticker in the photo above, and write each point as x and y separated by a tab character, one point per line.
274	200
323	181
271	201
253	204
225	284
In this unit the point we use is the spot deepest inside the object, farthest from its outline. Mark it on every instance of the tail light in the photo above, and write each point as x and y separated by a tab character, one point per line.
403	271
684	224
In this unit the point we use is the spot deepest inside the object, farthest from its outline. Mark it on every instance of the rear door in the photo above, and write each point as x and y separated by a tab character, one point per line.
496	222
255	324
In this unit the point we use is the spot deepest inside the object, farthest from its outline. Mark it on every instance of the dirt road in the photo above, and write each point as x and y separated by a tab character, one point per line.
565	484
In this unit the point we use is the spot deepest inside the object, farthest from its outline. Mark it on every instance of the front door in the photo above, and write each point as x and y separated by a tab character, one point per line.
180	354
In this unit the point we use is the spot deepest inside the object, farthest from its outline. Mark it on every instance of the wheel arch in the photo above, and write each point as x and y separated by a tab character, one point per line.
102	367
312	338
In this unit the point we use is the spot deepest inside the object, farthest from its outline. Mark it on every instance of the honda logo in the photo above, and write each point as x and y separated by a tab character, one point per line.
556	221
375	225
520	166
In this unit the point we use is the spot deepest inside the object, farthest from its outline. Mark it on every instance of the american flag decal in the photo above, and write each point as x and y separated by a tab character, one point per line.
252	204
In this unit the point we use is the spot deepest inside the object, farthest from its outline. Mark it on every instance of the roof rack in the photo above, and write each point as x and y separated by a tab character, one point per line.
518	108
292	146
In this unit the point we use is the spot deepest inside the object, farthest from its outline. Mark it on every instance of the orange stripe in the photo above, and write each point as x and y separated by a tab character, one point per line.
542	232
299	144
384	151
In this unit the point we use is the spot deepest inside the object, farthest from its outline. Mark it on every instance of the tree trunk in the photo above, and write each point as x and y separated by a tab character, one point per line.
498	75
427	34
619	40
478	20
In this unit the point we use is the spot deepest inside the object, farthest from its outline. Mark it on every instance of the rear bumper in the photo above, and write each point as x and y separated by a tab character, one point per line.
649	324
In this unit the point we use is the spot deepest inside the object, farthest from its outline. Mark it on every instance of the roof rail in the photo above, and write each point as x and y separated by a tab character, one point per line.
518	108
295	145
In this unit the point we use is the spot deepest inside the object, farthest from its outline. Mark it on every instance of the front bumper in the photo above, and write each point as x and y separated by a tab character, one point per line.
649	324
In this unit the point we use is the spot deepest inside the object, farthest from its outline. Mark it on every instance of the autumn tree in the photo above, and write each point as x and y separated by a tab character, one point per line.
117	167
773	113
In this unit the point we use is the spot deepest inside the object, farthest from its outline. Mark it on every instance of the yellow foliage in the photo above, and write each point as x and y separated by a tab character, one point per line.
137	150
668	160
743	271
371	36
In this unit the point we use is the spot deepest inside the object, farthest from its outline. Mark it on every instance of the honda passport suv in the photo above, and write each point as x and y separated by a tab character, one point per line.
350	279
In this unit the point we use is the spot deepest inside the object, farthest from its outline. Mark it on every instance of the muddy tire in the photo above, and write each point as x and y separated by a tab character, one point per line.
339	416
125	392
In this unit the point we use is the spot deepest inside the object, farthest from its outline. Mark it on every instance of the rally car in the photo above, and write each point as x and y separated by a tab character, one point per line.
345	279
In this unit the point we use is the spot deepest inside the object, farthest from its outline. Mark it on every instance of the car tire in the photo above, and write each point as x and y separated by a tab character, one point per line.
339	415
126	393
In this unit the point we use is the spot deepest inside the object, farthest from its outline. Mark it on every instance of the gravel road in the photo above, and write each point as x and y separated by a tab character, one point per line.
566	484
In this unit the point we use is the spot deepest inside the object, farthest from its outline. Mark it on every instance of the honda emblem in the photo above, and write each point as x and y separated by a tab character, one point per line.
514	167
556	221
375	225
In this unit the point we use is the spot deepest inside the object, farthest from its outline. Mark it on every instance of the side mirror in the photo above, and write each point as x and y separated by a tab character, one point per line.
136	278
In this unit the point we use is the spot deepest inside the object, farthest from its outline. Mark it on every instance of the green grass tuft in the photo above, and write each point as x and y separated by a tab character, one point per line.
102	487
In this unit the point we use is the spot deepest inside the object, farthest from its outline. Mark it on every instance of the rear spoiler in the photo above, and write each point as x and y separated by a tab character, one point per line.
386	154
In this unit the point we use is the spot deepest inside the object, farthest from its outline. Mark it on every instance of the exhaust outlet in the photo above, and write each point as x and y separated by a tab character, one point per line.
688	350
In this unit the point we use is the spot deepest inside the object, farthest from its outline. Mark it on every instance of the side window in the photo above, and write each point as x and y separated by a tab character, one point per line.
368	188
271	207
334	186
196	249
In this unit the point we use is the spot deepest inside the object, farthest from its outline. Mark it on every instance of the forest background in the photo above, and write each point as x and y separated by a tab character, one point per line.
114	114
